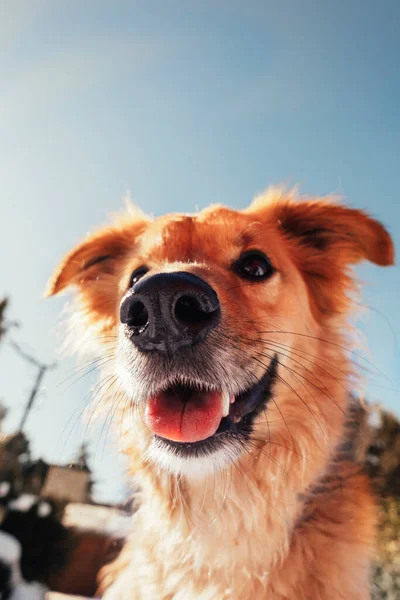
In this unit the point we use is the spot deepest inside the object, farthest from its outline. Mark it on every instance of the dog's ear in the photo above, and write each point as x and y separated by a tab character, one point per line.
96	257
350	234
325	238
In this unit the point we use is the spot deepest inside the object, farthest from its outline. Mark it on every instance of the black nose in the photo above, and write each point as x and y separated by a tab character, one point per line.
169	310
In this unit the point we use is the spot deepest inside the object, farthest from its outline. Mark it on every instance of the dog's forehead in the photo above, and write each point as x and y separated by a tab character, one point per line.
188	237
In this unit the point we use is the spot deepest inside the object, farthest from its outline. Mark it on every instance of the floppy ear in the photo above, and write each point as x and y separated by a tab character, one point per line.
350	233
95	268
97	256
325	238
93	257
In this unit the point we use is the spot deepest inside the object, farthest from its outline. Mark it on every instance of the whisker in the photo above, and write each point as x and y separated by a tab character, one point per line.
111	380
335	344
114	407
91	370
78	417
298	395
311	383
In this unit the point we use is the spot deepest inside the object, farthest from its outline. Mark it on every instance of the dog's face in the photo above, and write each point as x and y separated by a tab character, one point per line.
206	313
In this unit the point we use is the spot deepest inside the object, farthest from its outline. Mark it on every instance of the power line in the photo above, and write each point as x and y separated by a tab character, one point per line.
42	368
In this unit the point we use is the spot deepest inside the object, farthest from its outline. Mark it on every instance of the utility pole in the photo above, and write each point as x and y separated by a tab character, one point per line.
5	325
3	306
42	368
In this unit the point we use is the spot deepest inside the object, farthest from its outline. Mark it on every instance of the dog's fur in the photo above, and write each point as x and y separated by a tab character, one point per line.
287	515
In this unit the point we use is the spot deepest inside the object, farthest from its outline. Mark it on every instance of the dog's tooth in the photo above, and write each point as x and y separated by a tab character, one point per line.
225	404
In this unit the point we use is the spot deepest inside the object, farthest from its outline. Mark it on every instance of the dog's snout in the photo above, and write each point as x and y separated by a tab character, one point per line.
169	310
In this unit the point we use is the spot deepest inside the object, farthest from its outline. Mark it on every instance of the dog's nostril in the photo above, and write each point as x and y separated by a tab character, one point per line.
189	311
138	316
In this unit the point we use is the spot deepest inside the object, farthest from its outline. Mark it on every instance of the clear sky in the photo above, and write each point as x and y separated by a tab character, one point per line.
183	103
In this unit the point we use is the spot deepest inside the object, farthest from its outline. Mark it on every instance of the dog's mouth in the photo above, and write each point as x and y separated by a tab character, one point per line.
185	413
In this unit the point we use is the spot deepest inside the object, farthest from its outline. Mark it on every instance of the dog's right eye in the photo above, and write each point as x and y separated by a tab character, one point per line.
137	274
253	265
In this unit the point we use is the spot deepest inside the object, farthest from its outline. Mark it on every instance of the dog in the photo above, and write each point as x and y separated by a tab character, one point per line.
225	341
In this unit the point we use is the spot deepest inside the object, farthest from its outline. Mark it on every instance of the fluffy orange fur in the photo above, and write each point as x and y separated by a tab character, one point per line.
292	518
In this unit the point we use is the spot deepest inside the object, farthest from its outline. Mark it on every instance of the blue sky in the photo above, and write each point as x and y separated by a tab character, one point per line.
183	104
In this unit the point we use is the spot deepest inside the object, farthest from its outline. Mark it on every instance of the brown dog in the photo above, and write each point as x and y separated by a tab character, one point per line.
225	339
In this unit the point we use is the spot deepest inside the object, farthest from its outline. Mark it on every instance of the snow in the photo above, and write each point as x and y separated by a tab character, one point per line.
23	503
29	591
4	488
89	517
59	596
375	417
44	509
10	554
10	549
86	517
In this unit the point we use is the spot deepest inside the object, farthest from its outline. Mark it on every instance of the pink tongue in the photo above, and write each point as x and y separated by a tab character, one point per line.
180	420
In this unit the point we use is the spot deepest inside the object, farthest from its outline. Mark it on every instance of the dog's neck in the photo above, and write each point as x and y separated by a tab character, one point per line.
231	506
261	499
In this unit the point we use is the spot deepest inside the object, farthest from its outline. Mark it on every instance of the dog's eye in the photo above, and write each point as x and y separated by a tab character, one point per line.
253	265
137	274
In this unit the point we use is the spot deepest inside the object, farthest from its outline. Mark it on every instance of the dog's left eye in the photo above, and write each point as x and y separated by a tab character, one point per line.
253	265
